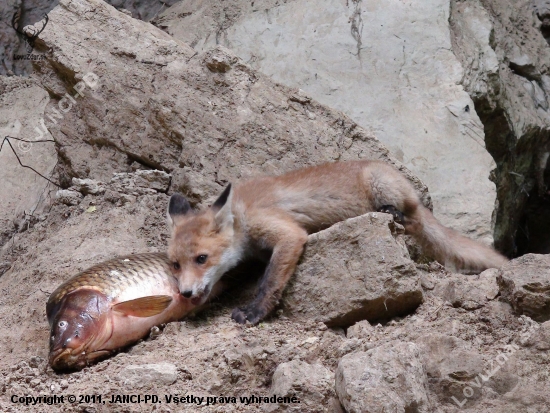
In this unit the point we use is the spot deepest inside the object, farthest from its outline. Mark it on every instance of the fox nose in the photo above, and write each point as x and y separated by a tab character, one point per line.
187	294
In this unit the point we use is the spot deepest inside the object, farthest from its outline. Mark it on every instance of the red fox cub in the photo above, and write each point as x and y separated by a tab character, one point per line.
277	214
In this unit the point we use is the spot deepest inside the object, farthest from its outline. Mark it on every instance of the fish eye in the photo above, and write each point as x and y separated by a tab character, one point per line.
62	324
201	259
176	265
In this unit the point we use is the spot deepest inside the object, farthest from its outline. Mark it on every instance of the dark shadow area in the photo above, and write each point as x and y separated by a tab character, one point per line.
534	229
542	8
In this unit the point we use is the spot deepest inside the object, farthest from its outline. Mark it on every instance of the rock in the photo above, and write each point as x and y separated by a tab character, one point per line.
388	378
141	182
352	271
460	374
35	361
537	336
542	8
157	180
503	71
88	186
443	356
206	128
68	197
22	192
33	11
312	384
362	329
468	292
219	59
141	375
525	284
14	43
355	57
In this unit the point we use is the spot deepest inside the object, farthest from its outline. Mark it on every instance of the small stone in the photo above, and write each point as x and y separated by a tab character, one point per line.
68	197
154	179
141	182
301	98
155	332
219	60
362	329
88	186
126	199
312	384
35	361
148	374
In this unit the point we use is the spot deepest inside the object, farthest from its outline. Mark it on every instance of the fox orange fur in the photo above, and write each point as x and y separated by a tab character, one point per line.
276	214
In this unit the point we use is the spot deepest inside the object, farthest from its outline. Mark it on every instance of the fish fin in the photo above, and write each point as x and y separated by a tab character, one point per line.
144	306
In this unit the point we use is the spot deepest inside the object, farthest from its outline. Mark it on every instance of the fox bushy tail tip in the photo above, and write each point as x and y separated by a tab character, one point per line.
449	247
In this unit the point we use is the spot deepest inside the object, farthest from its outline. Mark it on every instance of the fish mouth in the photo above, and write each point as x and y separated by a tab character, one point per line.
66	359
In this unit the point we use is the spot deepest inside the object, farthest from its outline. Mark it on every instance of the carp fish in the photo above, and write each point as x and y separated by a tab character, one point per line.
109	306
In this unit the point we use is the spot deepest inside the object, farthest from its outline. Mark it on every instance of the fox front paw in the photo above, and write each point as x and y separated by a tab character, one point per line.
249	313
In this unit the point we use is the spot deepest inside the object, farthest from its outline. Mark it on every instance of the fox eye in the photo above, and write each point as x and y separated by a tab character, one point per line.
176	265
201	259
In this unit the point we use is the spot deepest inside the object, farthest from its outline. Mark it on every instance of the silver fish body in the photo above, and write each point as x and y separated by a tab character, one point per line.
109	306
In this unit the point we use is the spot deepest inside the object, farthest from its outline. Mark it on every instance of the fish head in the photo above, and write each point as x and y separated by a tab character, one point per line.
79	326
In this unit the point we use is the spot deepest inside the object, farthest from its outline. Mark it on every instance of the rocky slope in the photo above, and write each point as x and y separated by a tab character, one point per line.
388	65
136	115
439	80
506	73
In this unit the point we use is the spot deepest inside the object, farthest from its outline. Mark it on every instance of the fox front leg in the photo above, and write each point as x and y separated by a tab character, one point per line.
288	240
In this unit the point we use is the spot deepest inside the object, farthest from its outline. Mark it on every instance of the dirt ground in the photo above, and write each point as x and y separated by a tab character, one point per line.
214	356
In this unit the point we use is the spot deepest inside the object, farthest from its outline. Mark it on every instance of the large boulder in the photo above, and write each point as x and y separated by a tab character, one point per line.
357	269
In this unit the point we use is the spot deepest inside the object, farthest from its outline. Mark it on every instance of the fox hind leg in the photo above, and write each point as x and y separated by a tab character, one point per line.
397	214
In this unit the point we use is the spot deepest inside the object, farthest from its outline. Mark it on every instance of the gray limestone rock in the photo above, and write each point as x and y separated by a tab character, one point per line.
525	284
311	384
357	269
140	375
388	378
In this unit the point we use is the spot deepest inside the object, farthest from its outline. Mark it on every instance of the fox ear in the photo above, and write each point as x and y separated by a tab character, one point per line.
223	210
178	206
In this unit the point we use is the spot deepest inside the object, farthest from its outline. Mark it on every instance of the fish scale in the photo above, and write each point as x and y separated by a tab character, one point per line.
115	275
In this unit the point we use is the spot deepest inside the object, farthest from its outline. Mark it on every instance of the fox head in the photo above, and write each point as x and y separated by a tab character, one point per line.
201	247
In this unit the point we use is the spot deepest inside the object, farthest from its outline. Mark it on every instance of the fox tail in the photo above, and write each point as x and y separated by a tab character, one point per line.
448	246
